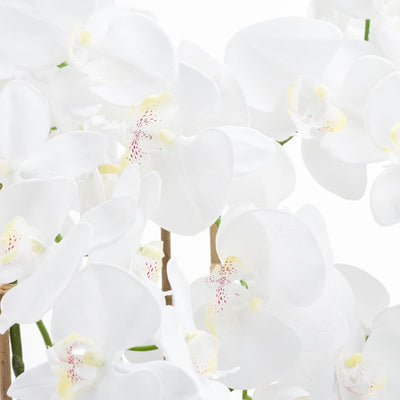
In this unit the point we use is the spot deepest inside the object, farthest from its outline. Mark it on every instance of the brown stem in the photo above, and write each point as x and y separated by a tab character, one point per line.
213	248
166	286
5	361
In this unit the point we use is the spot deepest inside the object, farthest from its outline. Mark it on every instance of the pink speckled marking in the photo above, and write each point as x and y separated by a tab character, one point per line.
137	134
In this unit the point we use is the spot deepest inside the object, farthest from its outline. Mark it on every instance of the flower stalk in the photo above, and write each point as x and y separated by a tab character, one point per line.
366	32
166	286
16	348
44	333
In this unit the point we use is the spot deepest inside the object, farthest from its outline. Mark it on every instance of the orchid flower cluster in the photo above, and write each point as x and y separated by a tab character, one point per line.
106	125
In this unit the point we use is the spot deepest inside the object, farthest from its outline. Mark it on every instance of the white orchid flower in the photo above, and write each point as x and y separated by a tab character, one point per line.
262	172
241	300
232	108
298	75
27	150
33	215
128	251
51	23
85	361
371	369
281	392
384	127
179	342
322	327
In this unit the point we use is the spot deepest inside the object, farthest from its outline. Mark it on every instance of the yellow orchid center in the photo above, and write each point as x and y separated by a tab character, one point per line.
110	168
5	167
361	376
166	136
321	92
255	303
18	240
203	349
86	37
311	109
355	359
76	361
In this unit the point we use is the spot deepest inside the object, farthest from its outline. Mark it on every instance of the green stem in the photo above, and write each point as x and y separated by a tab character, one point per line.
285	141
44	333
16	348
245	396
367	26
144	348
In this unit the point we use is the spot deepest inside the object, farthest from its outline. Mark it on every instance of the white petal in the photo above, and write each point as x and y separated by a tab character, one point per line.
127	316
140	57
315	221
363	74
150	192
16	45
196	94
195	179
145	384
385	196
71	154
382	112
274	124
370	295
121	252
279	245
128	183
352	144
43	204
30	299
268	57
268	185
174	381
263	349
250	148
357	8
110	220
278	392
344	179
192	54
38	383
24	120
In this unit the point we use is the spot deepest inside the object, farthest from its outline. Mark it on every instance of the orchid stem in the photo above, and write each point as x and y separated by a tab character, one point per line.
166	286
367	26
213	246
245	396
283	142
16	348
144	348
44	333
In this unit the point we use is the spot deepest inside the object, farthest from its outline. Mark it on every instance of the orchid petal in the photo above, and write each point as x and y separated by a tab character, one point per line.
195	179
128	316
383	113
71	154
30	299
43	204
268	185
269	56
370	295
110	220
39	383
264	348
24	120
16	31
344	179
384	197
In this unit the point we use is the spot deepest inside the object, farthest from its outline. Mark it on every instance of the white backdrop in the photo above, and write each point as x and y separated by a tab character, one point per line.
356	238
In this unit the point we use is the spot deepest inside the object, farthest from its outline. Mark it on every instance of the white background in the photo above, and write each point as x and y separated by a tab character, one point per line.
355	237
